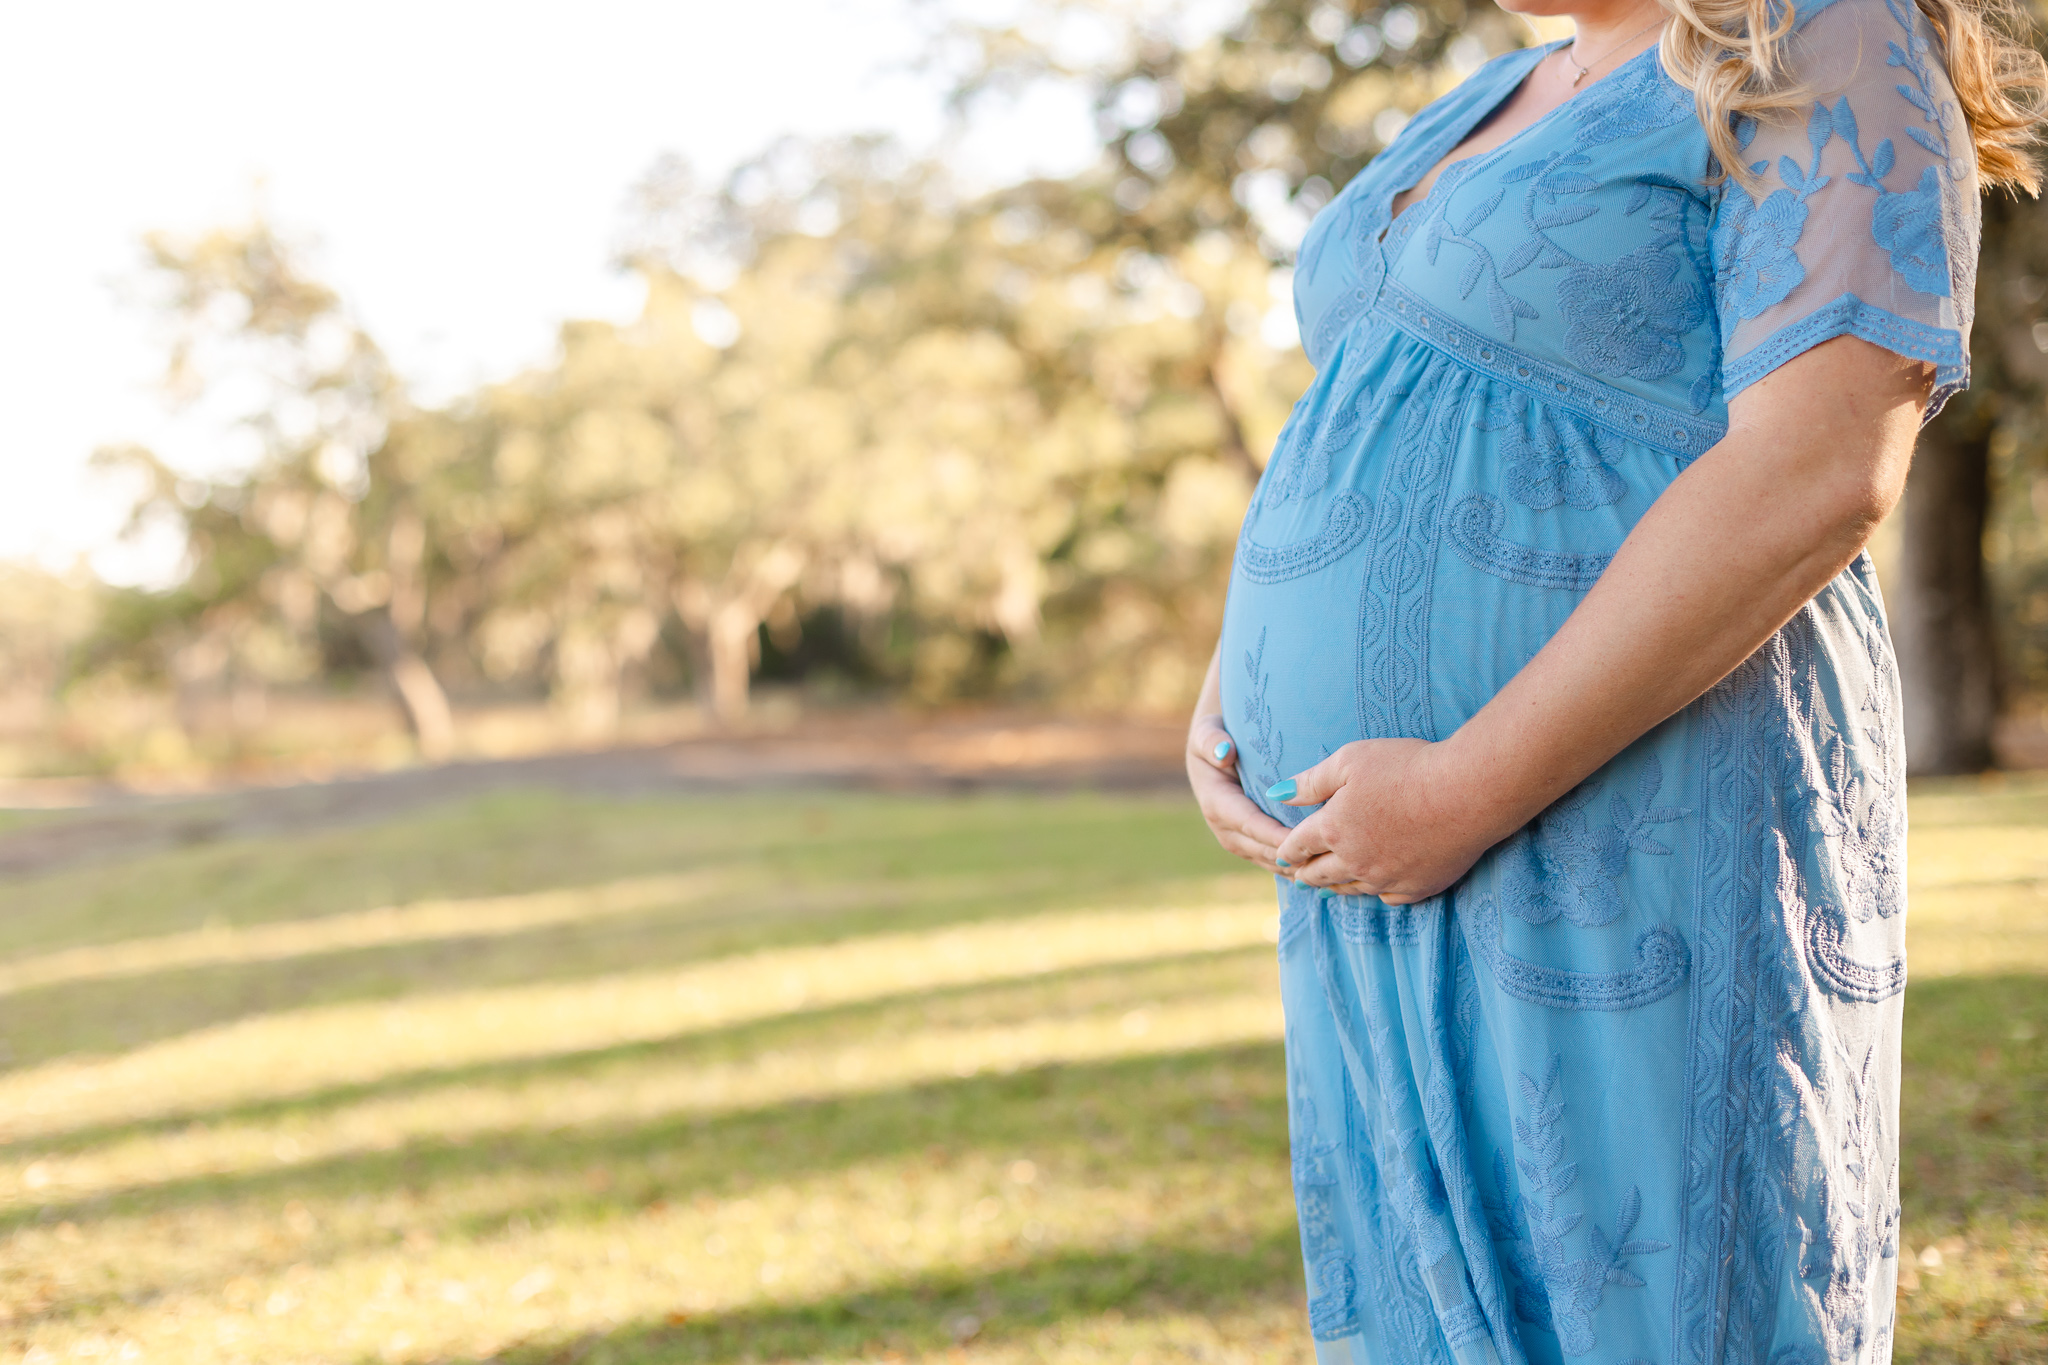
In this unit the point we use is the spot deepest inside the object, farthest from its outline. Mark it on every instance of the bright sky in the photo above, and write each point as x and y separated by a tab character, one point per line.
461	167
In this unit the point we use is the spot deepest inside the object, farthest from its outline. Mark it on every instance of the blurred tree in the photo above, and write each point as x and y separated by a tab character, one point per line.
313	523
1012	433
1946	618
1002	423
1005	438
1136	293
1248	127
43	618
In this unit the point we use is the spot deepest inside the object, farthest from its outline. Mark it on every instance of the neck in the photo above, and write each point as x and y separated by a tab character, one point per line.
1602	27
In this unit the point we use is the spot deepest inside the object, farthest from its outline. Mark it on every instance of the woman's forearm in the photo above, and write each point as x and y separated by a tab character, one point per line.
1815	456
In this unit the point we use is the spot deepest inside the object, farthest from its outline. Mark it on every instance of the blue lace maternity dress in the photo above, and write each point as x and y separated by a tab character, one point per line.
1629	1091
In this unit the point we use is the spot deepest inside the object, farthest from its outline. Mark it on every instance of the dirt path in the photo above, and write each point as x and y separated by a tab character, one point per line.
869	752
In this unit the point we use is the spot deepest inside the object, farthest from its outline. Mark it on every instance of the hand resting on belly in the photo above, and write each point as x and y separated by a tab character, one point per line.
1815	457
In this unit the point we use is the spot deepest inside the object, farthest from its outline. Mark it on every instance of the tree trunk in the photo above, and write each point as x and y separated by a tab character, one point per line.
732	615
733	638
1942	616
413	685
1233	448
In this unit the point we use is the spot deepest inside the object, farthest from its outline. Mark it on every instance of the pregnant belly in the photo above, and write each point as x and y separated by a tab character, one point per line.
1290	695
1430	565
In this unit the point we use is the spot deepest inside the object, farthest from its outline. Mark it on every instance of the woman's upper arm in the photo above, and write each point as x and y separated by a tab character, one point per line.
1836	423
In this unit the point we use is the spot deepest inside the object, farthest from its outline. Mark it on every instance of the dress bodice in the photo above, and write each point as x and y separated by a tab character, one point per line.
1596	259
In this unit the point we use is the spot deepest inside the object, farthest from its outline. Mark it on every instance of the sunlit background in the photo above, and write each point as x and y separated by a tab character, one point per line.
597	605
460	171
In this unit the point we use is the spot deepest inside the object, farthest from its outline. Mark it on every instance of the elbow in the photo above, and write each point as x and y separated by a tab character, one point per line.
1869	506
1853	508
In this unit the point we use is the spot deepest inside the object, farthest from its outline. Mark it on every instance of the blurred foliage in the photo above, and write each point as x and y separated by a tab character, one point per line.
968	444
2010	393
2006	407
871	430
319	545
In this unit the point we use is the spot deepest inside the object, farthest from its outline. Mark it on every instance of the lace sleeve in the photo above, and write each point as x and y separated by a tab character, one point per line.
1867	219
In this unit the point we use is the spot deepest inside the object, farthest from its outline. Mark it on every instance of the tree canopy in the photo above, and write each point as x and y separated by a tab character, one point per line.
867	424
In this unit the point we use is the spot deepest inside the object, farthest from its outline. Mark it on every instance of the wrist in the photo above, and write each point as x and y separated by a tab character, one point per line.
1466	788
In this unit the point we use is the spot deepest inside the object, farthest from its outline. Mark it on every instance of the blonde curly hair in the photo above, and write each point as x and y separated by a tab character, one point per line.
1730	52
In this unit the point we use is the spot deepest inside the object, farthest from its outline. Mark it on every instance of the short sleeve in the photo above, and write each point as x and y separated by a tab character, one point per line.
1866	222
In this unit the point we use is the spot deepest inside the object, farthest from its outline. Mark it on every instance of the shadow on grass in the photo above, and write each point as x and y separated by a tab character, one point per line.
1013	1000
927	1313
1215	1104
1975	1106
515	843
44	1023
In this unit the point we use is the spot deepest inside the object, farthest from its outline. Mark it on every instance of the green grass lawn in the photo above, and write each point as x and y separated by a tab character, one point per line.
540	1078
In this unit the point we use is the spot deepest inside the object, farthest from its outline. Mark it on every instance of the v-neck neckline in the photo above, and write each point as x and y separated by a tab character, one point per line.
1442	146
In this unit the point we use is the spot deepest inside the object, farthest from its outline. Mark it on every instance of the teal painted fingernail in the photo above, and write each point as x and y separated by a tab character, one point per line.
1223	751
1282	862
1281	791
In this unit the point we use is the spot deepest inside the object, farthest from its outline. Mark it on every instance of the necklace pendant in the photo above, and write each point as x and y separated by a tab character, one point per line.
1581	76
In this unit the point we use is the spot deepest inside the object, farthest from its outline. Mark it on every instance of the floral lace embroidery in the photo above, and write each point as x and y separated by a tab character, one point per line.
1767	727
1557	1293
1908	224
1393	635
1662	963
1557	867
1629	317
1731	1238
1842	974
1858	1225
1264	732
1632	101
1333	1281
1923	227
1481	1303
1301	466
1344	525
1429	1299
1821	937
1857	808
1297	907
1594	401
1475	525
1560	461
1418	1192
1331	1294
1464	1010
1386	1253
1756	259
1368	919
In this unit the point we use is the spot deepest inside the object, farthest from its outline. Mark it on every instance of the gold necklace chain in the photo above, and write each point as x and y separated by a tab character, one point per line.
1585	71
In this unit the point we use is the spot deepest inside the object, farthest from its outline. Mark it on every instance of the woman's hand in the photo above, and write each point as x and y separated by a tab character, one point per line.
1241	827
1395	822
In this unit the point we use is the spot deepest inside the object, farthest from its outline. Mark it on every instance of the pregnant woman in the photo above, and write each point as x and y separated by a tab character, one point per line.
1555	685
